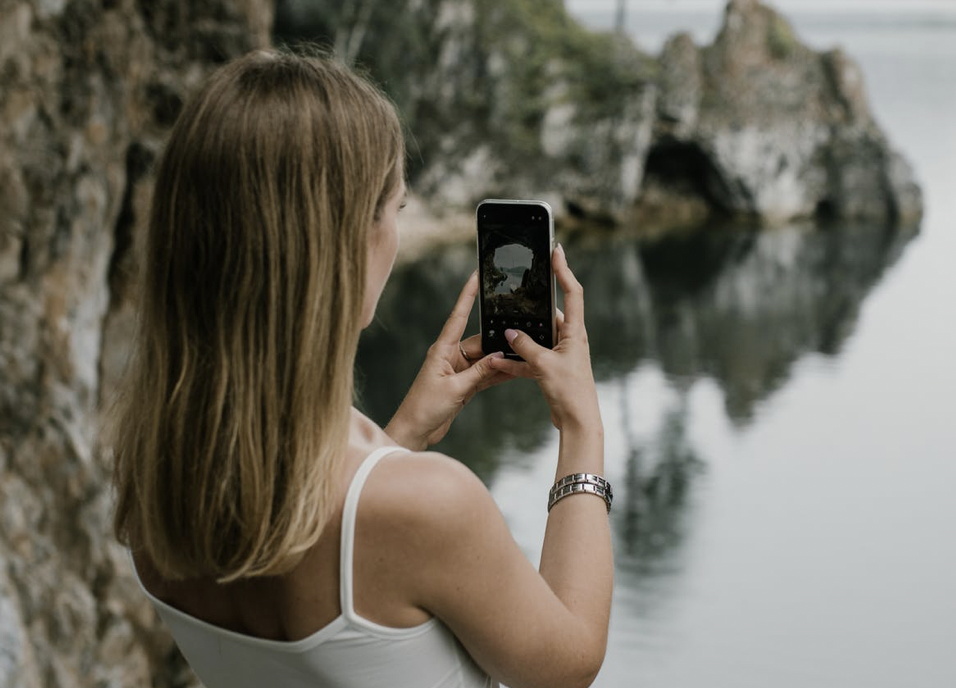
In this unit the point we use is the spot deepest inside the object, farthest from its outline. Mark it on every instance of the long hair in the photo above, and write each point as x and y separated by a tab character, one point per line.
230	433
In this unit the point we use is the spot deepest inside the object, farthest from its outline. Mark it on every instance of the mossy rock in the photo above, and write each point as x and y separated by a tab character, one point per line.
782	41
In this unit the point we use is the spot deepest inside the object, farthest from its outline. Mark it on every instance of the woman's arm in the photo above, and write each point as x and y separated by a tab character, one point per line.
525	627
576	558
443	546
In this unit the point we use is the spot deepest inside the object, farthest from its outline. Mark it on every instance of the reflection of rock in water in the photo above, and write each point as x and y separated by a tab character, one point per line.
738	306
653	495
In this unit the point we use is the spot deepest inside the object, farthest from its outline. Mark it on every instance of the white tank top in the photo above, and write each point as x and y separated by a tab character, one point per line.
349	652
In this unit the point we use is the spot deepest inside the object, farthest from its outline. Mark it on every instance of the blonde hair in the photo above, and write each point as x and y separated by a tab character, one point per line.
231	431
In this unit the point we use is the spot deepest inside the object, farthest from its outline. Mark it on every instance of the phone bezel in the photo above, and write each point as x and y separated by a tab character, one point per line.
544	206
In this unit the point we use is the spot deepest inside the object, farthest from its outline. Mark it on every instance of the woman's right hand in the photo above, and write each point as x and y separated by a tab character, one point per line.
564	372
458	559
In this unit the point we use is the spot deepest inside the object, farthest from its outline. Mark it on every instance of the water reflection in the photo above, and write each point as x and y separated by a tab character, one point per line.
739	306
657	480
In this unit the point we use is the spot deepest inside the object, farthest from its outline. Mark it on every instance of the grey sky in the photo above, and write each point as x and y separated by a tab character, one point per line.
582	6
511	256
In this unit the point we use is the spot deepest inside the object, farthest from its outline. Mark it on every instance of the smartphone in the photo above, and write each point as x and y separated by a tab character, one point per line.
515	241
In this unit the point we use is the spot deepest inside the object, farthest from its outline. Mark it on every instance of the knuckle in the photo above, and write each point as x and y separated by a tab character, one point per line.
573	288
523	340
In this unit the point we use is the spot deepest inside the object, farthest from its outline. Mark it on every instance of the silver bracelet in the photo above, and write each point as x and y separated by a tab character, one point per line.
592	478
578	483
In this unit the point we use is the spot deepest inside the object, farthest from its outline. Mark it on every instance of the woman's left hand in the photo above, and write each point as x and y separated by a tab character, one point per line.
453	372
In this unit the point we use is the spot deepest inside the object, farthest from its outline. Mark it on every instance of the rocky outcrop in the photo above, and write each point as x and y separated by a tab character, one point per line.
504	99
511	99
88	91
758	124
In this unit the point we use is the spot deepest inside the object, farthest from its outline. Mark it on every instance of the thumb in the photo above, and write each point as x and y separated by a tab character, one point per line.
523	345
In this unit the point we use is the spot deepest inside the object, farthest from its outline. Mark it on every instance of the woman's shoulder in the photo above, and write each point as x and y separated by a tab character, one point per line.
427	476
404	478
426	493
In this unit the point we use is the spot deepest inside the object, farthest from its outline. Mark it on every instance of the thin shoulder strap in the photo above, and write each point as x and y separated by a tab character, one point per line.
347	547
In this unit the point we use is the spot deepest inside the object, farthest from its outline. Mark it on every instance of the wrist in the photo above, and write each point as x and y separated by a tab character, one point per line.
583	426
403	434
581	449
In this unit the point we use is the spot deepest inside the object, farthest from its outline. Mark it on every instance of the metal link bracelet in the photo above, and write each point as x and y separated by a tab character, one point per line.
592	478
578	483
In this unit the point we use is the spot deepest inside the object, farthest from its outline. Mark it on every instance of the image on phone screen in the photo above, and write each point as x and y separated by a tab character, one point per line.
517	287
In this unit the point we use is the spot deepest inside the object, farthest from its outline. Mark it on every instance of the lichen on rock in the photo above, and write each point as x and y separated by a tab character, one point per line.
88	91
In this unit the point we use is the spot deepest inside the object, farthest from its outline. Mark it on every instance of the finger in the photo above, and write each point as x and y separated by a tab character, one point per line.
525	346
573	291
480	372
512	368
472	347
458	320
495	379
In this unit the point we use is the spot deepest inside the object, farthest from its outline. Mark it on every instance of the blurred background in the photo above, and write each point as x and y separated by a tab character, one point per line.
778	402
757	199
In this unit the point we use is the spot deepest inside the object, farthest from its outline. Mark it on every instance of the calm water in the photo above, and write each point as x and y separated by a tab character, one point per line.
781	426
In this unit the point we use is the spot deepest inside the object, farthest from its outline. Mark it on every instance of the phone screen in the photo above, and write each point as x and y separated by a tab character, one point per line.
514	264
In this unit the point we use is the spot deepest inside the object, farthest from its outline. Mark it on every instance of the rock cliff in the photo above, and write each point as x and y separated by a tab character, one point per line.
503	99
87	93
758	124
515	98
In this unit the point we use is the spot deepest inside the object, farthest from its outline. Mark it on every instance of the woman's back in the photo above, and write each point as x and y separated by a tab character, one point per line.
303	629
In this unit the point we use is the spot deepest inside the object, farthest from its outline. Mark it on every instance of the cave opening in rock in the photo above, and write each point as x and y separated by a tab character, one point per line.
682	182
826	209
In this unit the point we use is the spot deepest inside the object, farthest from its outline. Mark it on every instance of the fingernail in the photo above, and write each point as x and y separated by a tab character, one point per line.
510	335
498	354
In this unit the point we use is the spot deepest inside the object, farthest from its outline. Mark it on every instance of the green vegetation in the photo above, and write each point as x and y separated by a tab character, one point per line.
781	40
484	71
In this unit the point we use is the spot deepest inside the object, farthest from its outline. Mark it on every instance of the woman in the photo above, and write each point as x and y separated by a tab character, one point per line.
285	539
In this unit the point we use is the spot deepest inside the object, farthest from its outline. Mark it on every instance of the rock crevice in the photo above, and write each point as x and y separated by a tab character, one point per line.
88	91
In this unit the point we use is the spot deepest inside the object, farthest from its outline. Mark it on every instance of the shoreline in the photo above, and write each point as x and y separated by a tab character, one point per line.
422	230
